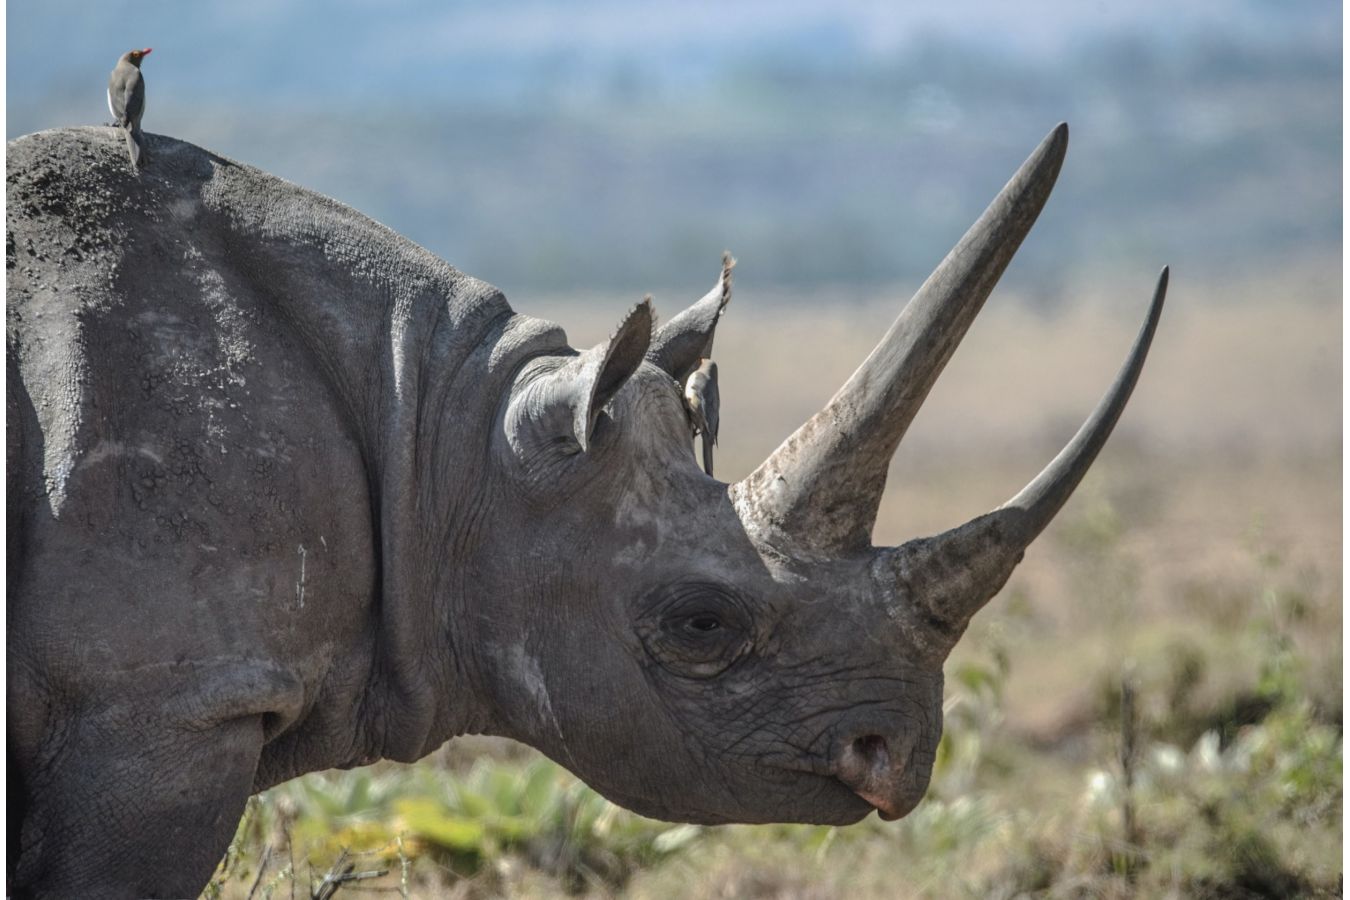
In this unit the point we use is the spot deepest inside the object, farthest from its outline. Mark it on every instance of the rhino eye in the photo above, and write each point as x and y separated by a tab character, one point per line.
695	630
705	623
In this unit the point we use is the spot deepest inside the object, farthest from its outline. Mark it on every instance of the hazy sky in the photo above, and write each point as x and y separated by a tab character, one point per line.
585	143
333	50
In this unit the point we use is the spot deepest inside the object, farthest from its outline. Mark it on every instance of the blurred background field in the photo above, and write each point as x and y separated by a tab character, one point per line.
581	155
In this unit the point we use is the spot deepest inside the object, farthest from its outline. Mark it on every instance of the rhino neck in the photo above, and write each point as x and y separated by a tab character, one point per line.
435	496
419	354
412	355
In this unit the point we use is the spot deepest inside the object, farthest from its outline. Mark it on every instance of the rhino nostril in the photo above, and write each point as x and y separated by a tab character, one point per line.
871	751
882	772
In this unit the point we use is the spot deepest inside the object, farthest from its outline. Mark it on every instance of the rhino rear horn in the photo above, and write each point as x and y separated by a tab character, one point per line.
957	572
687	338
605	367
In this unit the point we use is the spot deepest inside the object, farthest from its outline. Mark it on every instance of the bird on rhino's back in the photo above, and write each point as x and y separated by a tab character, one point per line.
126	99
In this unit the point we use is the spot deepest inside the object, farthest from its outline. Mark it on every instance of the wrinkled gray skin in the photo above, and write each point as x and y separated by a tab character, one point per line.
287	492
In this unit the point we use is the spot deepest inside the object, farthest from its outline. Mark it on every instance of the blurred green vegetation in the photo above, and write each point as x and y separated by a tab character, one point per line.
452	827
1234	784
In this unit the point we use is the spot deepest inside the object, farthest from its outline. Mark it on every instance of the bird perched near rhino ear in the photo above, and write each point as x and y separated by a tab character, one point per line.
701	402
126	99
687	338
701	399
683	348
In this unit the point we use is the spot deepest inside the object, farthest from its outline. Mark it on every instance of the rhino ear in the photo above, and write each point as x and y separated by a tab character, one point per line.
684	340
605	368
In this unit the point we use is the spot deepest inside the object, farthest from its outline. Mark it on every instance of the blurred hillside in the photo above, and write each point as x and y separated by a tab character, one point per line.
599	147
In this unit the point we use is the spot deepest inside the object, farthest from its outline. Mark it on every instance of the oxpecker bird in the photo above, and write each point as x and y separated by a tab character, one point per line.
701	400
126	99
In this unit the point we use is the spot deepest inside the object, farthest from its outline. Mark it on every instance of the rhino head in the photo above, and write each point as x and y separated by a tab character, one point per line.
715	652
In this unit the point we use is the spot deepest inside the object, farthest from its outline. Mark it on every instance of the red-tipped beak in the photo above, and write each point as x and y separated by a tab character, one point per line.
146	51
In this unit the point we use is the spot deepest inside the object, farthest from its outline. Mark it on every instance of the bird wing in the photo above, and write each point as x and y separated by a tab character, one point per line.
711	401
135	98
126	97
693	408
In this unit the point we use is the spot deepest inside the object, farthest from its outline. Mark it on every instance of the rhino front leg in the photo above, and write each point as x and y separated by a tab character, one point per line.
136	816
139	800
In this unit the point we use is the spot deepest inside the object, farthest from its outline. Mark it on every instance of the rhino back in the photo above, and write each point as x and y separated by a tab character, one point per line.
219	378
193	483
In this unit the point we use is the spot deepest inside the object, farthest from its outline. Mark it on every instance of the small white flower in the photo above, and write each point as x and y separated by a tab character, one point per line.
1205	755
1167	760
1101	787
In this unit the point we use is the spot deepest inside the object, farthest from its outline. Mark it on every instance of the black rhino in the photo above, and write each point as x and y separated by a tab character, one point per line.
287	492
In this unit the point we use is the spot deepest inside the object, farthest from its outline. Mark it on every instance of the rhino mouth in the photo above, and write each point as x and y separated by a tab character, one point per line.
864	767
887	810
836	803
834	790
889	805
795	796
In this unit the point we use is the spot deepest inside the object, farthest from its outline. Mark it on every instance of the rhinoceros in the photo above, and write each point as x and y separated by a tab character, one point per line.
287	492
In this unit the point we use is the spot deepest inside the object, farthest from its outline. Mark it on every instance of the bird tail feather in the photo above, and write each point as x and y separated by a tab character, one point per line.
134	146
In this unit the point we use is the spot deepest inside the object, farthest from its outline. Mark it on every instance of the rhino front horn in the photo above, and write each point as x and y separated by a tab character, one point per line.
818	493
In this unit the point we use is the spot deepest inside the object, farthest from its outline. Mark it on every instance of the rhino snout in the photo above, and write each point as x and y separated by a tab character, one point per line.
883	770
